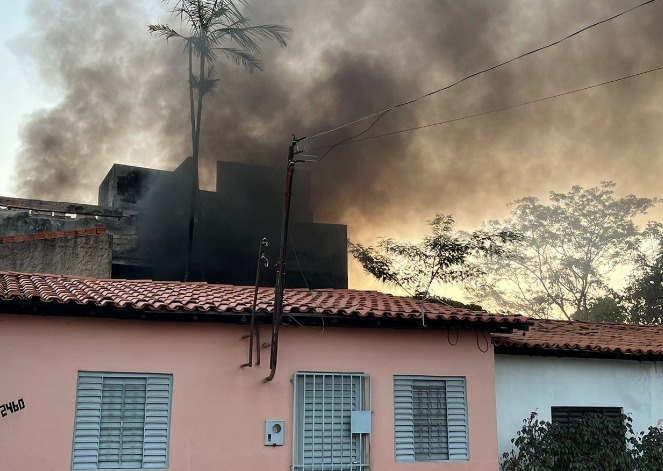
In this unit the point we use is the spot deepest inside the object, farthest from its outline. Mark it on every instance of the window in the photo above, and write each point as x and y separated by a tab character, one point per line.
430	418
122	421
323	438
567	415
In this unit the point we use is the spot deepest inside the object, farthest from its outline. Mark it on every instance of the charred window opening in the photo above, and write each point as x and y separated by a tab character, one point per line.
130	187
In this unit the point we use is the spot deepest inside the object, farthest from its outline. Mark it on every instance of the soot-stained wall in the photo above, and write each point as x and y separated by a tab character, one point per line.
146	211
125	185
231	222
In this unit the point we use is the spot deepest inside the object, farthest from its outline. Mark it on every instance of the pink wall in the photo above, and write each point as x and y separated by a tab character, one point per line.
218	409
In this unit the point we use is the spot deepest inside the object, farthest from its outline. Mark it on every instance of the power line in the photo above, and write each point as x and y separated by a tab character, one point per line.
299	265
346	140
483	113
383	112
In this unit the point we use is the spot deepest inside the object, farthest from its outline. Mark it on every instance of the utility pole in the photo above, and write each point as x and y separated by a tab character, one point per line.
280	273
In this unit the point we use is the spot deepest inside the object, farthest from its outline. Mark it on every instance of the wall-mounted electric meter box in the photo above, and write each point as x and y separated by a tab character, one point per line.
274	432
360	421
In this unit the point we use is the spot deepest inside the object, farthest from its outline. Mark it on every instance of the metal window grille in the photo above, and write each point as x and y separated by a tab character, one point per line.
122	421
430	419
567	415
122	424
323	439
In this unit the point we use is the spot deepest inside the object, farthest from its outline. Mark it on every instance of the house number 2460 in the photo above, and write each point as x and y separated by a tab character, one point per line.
11	407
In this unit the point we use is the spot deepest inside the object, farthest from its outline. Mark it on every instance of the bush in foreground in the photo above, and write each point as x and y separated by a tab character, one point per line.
593	443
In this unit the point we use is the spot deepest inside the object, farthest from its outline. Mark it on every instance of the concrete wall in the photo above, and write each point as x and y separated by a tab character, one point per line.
22	216
526	384
219	409
88	255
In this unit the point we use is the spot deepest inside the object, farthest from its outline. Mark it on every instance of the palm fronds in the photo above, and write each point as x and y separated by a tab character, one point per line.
213	26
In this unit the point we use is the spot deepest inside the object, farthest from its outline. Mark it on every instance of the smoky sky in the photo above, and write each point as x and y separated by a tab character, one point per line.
124	99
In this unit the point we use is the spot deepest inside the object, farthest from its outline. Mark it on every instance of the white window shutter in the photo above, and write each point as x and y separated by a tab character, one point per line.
457	419
157	426
430	419
403	420
122	421
88	421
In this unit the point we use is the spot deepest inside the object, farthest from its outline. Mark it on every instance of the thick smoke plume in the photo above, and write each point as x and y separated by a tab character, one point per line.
124	99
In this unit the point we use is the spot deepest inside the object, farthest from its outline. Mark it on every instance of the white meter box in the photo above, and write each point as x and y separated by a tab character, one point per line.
360	421
274	432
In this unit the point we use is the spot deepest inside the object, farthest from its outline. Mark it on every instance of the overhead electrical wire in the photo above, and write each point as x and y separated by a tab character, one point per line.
483	113
382	113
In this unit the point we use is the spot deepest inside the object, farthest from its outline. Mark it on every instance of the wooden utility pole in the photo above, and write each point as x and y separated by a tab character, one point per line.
280	273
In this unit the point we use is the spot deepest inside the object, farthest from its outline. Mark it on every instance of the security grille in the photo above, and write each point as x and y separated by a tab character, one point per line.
122	424
567	415
429	414
323	439
122	421
430	419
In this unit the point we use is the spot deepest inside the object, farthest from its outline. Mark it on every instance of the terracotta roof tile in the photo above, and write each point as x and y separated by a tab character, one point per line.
202	297
580	336
53	235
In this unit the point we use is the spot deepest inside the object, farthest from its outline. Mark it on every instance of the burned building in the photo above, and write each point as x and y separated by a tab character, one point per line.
146	212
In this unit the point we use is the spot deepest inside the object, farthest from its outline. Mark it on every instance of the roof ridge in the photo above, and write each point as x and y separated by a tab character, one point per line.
49	275
579	337
581	321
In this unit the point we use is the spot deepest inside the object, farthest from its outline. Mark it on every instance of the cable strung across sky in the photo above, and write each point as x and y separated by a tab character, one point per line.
483	113
380	114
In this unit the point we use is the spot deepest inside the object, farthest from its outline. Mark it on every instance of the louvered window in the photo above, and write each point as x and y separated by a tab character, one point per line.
122	421
323	438
567	415
430	419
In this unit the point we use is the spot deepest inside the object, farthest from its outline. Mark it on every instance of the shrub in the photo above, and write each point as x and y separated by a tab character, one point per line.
649	450
593	443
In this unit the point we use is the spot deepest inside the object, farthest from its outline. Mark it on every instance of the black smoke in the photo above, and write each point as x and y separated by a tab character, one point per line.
124	99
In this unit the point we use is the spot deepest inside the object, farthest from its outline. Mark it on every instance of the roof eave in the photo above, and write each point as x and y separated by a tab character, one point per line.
575	353
87	310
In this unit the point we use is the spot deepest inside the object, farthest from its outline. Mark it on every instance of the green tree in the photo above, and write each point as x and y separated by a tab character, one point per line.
444	256
213	27
604	309
644	293
573	250
591	443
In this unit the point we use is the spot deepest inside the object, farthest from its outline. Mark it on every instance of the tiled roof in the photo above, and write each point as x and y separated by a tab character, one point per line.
586	338
162	296
52	235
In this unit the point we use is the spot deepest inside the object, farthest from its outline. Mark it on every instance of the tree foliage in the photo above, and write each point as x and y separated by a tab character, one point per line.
213	27
571	252
446	255
604	309
593	443
644	294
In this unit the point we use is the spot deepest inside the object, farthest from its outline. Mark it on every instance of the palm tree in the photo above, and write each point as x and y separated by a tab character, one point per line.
213	26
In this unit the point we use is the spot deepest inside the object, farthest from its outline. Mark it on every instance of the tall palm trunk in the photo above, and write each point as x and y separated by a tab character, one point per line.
201	93
191	105
196	116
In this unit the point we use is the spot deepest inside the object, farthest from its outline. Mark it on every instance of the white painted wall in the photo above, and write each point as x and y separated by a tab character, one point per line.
525	384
